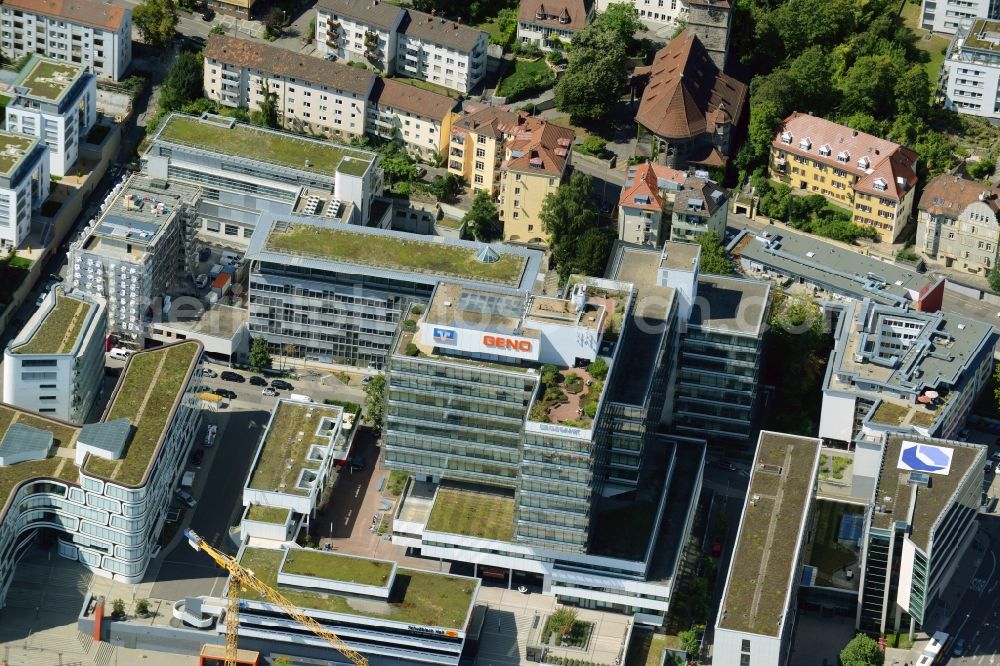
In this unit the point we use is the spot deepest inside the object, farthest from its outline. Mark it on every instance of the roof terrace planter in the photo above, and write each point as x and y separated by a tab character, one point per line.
345	574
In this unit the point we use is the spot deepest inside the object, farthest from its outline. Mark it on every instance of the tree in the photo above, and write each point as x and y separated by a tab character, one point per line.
375	400
482	220
862	651
184	82
592	251
266	114
621	18
142	607
567	214
118	609
397	164
913	92
713	256
596	74
156	21
982	169
281	661
260	356
446	187
562	620
274	21
689	642
994	279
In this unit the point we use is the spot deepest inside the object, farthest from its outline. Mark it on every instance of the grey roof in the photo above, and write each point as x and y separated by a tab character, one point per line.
439	30
379	14
112	436
22	439
731	304
832	267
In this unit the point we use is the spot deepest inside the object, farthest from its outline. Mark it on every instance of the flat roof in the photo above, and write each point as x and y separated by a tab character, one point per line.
149	391
60	326
473	511
416	597
984	35
895	498
678	255
276	515
14	148
48	80
337	567
764	568
284	452
223	135
730	304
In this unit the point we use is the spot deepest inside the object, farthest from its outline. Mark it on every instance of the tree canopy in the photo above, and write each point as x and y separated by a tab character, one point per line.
482	220
713	256
862	651
184	82
260	356
375	400
569	216
156	21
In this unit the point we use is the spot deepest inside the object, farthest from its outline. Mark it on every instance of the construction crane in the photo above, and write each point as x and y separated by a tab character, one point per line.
241	579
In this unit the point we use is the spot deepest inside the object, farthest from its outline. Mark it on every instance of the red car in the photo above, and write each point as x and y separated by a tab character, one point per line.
717	549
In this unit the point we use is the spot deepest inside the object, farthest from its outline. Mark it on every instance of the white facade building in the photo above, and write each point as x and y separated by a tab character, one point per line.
90	33
56	102
947	16
654	13
971	69
24	185
65	336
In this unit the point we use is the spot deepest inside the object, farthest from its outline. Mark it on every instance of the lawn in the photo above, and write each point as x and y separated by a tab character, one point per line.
336	567
49	80
15	475
935	45
889	413
270	146
526	78
397	481
427	85
395	253
267	514
136	391
417	597
60	328
475	514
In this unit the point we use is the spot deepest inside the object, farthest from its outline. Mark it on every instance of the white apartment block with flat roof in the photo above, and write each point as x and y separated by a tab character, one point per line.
947	16
24	185
971	69
94	34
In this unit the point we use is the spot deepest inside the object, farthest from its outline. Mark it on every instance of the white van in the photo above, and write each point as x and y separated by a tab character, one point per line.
187	480
298	397
119	354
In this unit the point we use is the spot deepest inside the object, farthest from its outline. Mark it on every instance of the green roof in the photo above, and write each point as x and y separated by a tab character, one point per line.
268	514
272	146
283	453
146	395
337	567
391	252
13	148
472	513
417	597
59	329
64	437
49	79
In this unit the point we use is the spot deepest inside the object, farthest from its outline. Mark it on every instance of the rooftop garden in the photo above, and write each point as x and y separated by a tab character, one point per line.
394	253
269	146
61	468
476	514
146	395
268	514
889	413
336	567
570	397
417	597
14	148
49	80
284	451
59	329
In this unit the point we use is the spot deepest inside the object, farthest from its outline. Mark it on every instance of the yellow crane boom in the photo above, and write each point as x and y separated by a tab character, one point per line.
243	578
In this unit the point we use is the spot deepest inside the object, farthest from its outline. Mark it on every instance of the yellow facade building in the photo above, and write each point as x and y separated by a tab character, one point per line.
873	178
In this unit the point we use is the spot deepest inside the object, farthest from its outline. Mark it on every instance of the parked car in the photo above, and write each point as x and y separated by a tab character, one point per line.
717	549
258	381
202	389
282	385
228	376
204	253
201	281
196	457
207	15
958	649
173	515
996	456
225	393
186	497
268	391
208	372
726	465
357	463
367	379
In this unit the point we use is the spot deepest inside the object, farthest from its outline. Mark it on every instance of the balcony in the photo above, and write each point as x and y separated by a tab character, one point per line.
455	166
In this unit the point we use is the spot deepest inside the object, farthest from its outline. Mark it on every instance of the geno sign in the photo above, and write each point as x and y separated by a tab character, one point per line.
500	342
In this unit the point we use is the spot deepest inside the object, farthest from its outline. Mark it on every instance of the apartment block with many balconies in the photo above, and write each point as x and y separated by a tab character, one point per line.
24	185
970	73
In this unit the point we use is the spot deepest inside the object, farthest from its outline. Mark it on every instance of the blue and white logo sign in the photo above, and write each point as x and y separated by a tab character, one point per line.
925	458
446	336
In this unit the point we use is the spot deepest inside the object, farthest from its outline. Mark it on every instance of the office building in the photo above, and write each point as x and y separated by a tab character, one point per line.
402	41
65	336
646	203
957	223
970	72
318	95
24	185
131	254
872	179
104	487
919	520
336	294
833	270
690	108
246	172
756	618
93	34
948	17
57	103
541	24
895	370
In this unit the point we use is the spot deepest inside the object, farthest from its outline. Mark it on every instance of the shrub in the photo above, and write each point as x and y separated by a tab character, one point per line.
598	369
594	145
117	608
408	325
417	309
590	409
550	374
573	382
142	607
553	394
411	349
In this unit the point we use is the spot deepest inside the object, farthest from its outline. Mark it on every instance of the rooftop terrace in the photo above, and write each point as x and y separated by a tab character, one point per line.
59	328
48	80
13	149
60	465
275	515
393	252
984	35
282	148
147	393
472	512
284	452
763	568
336	567
417	597
894	493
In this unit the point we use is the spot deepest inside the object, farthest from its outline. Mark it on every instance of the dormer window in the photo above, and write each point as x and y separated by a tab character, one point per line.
843	157
786	137
805	144
864	162
880	185
824	150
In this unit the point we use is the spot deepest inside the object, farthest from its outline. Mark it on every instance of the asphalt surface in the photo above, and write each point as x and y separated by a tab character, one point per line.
977	617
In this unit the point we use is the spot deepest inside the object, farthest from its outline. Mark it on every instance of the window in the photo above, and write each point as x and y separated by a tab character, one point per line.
480	152
232	230
480	166
478	179
212	225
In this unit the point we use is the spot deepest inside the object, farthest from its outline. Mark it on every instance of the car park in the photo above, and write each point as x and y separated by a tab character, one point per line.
208	372
282	385
186	498
228	376
268	391
225	393
258	381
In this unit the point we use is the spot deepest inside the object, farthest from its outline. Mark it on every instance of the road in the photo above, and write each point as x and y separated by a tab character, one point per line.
977	617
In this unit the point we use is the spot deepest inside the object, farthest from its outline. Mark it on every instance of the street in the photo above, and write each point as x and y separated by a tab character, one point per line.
977	617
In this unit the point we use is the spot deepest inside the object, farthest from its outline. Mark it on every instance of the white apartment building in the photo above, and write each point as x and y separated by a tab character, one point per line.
24	185
541	23
56	102
64	336
958	224
104	487
96	35
394	40
971	69
947	16
420	119
654	13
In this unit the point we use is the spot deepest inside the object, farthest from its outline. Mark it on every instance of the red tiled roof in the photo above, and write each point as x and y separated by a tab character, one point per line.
559	14
85	12
645	183
539	146
687	95
949	195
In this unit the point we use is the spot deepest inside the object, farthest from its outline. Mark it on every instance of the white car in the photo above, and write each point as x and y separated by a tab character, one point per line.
201	281
208	372
186	497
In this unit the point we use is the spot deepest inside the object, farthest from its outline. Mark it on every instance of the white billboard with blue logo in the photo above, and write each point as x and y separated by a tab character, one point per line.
926	458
